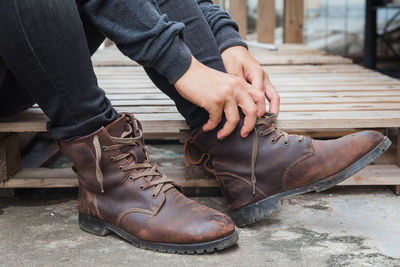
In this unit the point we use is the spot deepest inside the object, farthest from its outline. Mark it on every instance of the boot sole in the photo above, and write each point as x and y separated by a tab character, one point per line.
269	206
96	226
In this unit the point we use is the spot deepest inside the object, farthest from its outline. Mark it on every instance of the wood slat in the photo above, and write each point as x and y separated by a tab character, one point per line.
266	21
65	177
171	123
293	20
285	55
238	11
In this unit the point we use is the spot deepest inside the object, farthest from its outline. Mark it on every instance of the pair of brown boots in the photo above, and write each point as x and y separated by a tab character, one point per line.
122	191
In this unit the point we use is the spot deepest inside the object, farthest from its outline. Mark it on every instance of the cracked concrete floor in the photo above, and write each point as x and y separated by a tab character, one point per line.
341	227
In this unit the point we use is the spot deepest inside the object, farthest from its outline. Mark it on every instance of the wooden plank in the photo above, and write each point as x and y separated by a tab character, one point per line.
375	175
118	72
293	20
10	158
266	21
171	123
285	55
65	177
285	107
238	11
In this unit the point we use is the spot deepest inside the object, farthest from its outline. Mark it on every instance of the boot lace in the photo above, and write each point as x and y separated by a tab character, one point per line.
146	169
268	126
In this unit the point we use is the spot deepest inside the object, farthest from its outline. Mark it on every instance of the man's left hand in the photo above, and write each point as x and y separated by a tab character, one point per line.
238	62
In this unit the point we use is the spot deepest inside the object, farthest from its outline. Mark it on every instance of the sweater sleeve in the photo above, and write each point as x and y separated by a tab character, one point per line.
143	34
224	28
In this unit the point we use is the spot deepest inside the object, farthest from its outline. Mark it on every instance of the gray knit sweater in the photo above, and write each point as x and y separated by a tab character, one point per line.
149	38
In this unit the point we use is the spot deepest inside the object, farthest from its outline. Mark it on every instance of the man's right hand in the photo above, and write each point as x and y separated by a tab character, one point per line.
219	92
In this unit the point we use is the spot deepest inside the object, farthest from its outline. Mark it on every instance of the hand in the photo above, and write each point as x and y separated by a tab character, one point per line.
238	62
218	92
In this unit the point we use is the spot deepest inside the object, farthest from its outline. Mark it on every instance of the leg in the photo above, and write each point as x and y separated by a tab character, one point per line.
200	39
197	36
60	76
14	97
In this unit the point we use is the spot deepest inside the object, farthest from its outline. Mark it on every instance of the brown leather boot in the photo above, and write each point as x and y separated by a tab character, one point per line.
268	165
122	191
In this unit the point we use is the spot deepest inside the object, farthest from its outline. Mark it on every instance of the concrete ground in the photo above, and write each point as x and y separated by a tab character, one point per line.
341	227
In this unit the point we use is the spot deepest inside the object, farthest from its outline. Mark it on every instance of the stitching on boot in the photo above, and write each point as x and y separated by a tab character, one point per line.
243	180
309	153
132	210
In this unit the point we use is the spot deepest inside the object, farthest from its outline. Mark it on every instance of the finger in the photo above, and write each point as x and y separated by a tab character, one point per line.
272	95
249	109
232	118
240	74
215	115
256	78
258	98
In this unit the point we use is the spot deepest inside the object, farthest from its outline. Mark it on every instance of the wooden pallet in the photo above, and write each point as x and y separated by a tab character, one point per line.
321	95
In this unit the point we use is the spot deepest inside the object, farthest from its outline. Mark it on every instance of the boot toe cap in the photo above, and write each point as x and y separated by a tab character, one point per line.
331	156
180	221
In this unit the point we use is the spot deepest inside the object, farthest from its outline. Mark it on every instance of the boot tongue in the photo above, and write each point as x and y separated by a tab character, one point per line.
116	128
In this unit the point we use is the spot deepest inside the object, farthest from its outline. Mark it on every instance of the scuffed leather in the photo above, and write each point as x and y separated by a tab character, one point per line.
331	156
179	220
279	167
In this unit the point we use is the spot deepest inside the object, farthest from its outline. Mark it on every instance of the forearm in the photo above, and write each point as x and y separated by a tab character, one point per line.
142	34
224	28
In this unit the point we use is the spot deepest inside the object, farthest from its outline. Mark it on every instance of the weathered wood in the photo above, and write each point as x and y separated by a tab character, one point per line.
171	123
287	54
10	158
266	21
238	11
65	177
293	20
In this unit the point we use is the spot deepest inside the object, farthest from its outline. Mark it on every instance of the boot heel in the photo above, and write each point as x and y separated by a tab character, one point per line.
256	211
93	225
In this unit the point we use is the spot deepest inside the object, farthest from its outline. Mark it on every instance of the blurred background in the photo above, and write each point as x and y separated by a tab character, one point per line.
338	27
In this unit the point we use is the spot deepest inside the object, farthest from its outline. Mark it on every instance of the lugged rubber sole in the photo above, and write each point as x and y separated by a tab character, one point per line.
96	226
271	205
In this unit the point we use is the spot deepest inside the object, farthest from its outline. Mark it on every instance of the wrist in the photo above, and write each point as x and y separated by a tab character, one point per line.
182	80
238	49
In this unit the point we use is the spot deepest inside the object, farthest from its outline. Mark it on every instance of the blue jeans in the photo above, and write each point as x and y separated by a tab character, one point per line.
45	49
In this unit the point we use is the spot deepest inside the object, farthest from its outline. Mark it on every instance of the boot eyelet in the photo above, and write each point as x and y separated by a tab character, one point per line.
141	187
153	196
286	143
103	147
120	168
111	158
300	141
273	141
130	179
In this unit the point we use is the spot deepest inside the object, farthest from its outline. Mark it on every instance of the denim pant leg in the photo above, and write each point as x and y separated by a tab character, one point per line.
49	57
200	39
